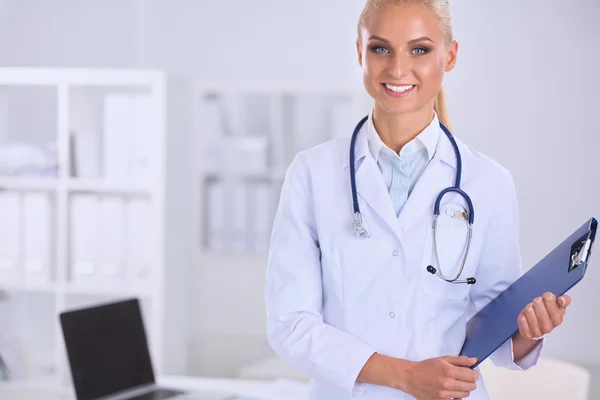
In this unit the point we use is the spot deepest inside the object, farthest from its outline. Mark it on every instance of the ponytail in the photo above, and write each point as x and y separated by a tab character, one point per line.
441	109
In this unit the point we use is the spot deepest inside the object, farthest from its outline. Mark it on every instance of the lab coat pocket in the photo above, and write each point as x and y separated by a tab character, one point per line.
451	243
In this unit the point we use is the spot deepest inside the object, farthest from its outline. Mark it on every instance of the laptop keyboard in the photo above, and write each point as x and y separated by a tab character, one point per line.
159	394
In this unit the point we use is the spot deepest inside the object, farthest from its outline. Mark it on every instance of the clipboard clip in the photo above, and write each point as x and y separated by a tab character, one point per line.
580	255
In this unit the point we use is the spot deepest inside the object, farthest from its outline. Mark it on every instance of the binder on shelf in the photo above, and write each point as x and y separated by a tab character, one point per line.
85	214
111	241
139	233
238	210
129	138
117	137
216	239
142	142
262	218
37	238
10	237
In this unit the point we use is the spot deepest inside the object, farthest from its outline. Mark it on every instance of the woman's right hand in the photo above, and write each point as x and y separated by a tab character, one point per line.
445	378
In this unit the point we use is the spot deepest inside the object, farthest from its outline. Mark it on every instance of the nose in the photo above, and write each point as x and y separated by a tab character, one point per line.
399	66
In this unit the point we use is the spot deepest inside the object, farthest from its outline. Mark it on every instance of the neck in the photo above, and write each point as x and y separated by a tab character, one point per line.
396	130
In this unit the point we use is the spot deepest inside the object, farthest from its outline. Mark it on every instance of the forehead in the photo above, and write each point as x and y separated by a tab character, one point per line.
401	23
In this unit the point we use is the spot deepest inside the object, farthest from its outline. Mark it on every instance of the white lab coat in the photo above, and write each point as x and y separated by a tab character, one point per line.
333	298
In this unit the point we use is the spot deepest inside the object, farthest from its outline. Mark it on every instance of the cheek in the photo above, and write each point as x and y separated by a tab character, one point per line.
430	75
371	73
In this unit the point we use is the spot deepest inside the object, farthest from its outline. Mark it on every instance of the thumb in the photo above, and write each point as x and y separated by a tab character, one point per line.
461	361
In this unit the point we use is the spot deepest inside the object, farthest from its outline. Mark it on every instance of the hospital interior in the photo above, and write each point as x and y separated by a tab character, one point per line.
144	144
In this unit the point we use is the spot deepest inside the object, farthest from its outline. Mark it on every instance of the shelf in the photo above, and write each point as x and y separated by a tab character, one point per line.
99	186
28	184
74	185
101	290
29	287
80	76
267	176
46	383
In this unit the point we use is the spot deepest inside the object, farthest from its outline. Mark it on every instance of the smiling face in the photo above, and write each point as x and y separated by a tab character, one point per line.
404	52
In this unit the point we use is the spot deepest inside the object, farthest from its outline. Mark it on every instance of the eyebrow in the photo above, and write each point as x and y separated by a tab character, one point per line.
421	39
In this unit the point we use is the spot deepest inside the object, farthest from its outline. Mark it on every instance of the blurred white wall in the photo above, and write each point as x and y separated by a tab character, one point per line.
525	92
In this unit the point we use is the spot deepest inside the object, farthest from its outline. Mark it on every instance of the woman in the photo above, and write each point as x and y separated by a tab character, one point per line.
369	315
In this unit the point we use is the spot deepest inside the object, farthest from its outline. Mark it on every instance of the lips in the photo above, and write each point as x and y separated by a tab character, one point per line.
398	90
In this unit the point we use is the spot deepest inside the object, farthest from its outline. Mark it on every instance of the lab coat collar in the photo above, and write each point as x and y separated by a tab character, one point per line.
438	144
427	139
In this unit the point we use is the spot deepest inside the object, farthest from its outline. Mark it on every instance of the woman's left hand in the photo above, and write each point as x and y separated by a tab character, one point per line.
542	315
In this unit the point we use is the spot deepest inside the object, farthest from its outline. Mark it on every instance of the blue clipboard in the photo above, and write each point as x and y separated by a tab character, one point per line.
557	272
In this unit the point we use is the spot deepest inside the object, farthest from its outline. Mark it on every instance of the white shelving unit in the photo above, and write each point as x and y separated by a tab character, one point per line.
122	138
249	136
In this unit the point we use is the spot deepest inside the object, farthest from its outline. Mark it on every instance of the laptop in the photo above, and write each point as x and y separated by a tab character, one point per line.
109	358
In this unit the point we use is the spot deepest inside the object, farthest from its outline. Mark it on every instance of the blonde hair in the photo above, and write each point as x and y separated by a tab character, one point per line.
442	9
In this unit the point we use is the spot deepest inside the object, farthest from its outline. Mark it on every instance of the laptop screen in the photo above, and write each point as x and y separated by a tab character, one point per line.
107	349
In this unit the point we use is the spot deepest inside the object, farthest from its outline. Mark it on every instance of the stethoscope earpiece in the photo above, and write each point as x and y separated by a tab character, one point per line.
469	281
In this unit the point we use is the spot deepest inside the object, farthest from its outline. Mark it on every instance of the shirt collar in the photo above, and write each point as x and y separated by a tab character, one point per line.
426	139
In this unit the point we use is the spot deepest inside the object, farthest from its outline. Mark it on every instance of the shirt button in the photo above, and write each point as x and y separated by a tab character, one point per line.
392	315
395	253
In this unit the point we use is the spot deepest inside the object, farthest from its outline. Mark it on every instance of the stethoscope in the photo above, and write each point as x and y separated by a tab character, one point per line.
359	222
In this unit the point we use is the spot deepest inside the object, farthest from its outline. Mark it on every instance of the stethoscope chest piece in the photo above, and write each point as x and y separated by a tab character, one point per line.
359	225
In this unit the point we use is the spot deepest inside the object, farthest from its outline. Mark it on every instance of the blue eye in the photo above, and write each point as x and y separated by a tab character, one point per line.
419	51
379	49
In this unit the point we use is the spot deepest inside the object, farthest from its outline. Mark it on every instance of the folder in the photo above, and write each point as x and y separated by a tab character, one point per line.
557	272
10	237
37	238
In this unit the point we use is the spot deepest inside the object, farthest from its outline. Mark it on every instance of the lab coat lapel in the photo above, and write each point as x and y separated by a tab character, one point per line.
370	187
438	175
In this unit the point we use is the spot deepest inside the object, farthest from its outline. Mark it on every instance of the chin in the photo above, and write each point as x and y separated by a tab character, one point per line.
395	106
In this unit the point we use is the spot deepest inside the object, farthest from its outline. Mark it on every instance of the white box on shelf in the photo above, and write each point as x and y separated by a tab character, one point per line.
10	237
85	218
37	232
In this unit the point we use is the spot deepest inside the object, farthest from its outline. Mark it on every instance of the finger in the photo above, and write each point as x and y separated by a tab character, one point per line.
465	376
461	385
460	361
453	395
555	311
543	316
565	301
524	326
532	321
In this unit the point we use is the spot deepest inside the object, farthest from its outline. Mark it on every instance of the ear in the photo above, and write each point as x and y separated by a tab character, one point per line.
452	55
359	51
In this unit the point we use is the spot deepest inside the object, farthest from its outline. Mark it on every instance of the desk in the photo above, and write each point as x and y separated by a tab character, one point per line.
267	390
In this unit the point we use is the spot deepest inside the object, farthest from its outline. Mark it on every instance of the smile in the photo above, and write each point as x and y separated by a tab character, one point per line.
398	90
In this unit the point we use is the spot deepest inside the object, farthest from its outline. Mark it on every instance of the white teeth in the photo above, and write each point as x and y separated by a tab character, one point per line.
399	89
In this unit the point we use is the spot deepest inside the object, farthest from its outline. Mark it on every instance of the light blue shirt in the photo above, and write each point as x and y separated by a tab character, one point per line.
402	171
